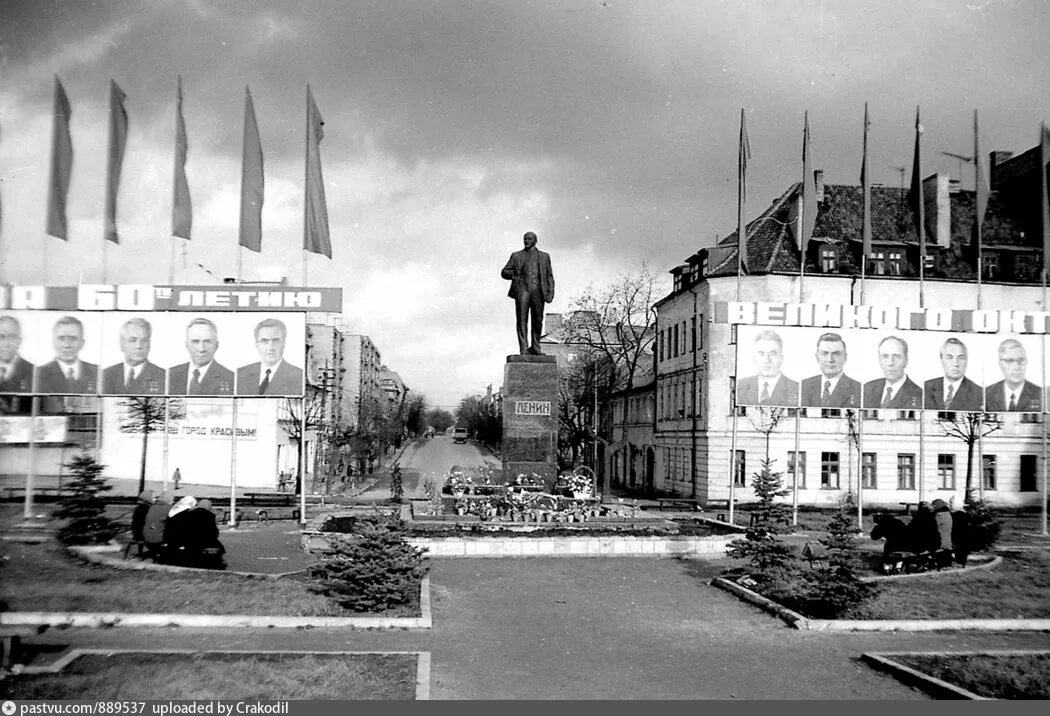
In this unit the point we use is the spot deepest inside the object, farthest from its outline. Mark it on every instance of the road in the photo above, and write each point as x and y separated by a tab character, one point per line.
431	458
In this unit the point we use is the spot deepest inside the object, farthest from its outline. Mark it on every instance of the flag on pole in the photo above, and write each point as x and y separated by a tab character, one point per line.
807	210
741	223
181	206
981	188
118	139
251	180
917	200
315	219
61	164
1044	198
865	184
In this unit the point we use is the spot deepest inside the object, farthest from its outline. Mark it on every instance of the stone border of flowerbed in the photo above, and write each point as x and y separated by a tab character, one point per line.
992	563
98	620
885	660
798	621
60	664
582	546
111	556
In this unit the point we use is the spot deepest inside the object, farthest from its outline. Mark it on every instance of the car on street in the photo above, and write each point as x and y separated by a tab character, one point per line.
459	435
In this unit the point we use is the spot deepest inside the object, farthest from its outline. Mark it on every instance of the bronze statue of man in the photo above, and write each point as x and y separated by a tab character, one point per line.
531	285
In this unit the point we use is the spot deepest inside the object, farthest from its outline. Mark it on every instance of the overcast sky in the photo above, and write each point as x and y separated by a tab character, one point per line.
607	127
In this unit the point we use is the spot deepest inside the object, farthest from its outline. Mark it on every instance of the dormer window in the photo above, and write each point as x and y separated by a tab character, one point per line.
828	260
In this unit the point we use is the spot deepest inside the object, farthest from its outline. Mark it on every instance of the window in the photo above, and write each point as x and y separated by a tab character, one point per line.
732	334
681	399
829	470
988	471
700	332
830	413
896	263
1028	473
828	260
660	343
990	266
740	468
693	334
674	342
946	471
868	470
801	468
685	339
905	471
877	263
1026	268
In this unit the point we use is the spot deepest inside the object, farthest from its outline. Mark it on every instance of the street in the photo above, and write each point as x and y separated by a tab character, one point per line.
431	458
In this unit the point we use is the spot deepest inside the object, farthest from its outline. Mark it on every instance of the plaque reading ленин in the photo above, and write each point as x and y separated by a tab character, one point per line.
532	407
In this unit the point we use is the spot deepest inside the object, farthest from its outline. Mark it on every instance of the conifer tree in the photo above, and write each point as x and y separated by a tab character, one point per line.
84	509
771	559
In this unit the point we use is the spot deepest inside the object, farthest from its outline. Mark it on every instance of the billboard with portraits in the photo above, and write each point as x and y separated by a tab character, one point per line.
889	369
153	353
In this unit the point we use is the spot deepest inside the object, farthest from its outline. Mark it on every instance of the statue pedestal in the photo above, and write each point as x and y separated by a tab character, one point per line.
530	417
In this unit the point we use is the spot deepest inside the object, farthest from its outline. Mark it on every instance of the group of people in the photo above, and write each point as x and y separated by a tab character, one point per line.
895	390
68	373
180	532
935	533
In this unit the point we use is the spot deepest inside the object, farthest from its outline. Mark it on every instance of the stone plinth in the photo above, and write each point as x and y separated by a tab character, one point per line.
530	417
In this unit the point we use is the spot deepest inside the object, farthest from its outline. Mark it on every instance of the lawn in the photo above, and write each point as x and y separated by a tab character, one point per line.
1016	589
44	577
994	676
146	676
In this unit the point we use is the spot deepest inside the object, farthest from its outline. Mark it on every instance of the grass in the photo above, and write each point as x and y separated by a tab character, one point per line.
1016	589
993	676
44	577
145	676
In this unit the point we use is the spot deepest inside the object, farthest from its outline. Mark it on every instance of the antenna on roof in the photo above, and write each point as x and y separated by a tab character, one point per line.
962	158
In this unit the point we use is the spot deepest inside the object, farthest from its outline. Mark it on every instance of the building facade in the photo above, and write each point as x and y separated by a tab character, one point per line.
709	446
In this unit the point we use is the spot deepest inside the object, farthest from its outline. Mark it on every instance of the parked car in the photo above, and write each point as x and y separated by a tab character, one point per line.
459	435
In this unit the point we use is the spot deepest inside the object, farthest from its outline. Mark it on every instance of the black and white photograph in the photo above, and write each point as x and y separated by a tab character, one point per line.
523	350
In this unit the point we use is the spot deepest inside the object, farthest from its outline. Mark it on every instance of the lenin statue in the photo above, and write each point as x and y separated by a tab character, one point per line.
531	285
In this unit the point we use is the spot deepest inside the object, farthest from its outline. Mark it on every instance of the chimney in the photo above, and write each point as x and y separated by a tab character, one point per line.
938	207
818	180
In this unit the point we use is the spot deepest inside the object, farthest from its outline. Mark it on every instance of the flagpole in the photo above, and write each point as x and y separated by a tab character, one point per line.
741	200
233	468
865	229
860	471
732	467
306	178
978	208
1046	494
794	476
920	202
33	411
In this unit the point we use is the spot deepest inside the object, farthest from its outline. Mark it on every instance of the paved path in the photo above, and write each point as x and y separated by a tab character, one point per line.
596	629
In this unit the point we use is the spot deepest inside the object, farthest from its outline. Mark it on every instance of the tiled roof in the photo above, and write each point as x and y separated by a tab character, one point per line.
771	245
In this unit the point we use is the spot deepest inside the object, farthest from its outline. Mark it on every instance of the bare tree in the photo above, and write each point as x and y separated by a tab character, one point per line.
146	415
577	388
303	416
766	421
968	427
617	323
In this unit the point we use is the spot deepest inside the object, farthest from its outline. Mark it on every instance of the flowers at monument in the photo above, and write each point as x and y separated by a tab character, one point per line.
579	483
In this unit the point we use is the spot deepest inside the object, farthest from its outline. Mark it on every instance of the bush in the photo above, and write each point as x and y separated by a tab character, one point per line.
371	568
83	510
982	529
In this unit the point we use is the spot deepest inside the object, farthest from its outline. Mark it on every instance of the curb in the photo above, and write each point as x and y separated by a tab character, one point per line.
931	684
990	564
422	660
105	620
796	620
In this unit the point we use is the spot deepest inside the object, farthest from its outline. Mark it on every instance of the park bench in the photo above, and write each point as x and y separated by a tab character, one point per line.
676	503
55	492
11	636
907	507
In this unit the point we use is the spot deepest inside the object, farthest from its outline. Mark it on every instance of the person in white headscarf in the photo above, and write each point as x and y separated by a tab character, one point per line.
178	529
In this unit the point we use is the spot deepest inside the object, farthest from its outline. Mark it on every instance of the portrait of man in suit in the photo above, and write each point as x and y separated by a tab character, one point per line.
203	375
1014	393
531	285
770	386
134	375
67	374
832	388
16	373
895	390
953	390
272	375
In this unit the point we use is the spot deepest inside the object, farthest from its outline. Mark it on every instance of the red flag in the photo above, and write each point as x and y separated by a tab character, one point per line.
315	219
118	139
807	200
251	180
181	206
865	184
917	200
741	225
1044	198
61	164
